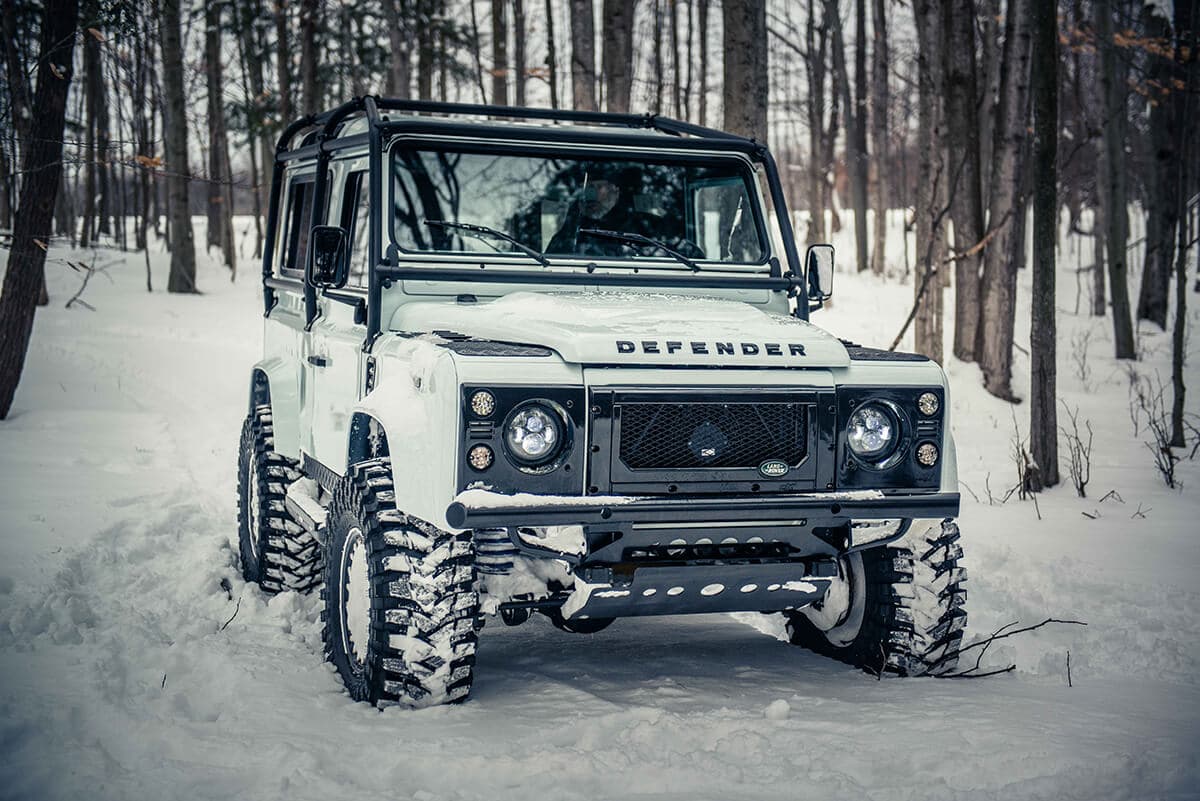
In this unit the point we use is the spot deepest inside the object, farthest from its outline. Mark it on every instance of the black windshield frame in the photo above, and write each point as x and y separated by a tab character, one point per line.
632	153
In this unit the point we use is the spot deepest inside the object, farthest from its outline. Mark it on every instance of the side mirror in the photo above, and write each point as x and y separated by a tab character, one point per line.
328	266
819	261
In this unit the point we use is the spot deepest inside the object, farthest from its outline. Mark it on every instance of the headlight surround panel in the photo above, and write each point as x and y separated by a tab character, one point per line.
898	468
560	473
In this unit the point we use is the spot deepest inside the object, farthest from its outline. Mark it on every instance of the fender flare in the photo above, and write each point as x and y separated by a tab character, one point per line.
275	381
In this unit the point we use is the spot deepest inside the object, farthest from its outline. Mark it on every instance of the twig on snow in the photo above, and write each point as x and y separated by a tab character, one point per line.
235	611
985	643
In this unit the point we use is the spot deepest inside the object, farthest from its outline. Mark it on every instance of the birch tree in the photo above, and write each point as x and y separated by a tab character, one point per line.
1006	208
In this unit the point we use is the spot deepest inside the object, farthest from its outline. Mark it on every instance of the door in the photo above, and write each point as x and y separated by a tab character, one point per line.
335	359
283	332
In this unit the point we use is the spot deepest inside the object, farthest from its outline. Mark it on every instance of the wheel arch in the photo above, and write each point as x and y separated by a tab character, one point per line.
367	439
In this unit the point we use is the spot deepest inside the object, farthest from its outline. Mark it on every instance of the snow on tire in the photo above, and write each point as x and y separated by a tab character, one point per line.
901	610
400	607
276	552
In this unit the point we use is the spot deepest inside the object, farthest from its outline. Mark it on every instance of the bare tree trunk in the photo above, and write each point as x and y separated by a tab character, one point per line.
552	55
690	60
989	83
962	160
310	94
283	62
1099	282
499	54
18	111
702	99
1116	92
1187	28
617	55
519	66
1006	208
175	131
746	80
427	18
93	89
1043	412
676	82
250	56
927	326
659	78
397	15
816	48
858	149
220	188
1162	178
43	171
477	51
879	133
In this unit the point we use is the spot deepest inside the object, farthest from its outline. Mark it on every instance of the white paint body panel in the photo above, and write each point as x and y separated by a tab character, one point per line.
586	327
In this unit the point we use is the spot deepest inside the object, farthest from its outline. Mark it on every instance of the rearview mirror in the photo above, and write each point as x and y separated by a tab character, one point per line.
819	261
327	263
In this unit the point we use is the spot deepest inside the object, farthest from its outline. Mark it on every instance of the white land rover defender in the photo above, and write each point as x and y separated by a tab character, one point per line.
525	361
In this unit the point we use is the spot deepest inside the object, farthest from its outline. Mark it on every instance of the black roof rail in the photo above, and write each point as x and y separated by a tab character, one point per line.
330	119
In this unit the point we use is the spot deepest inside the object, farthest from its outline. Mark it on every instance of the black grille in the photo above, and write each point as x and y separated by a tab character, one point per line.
656	436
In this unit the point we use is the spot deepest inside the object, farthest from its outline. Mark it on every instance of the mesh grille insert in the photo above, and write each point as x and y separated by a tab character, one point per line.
657	436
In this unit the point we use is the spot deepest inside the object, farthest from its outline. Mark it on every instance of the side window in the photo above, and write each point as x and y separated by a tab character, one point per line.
299	221
356	209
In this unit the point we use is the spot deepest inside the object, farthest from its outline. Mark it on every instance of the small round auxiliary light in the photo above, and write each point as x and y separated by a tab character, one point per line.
928	404
480	457
483	403
927	454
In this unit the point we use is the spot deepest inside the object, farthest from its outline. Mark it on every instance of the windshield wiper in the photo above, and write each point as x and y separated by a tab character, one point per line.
482	232
638	239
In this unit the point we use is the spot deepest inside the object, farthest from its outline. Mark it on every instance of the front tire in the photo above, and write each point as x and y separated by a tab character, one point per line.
896	608
275	551
400	604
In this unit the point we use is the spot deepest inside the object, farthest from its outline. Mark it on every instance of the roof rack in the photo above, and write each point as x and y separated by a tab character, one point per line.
328	121
325	139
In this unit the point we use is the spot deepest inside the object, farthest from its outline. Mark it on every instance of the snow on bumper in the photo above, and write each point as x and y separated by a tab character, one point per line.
481	508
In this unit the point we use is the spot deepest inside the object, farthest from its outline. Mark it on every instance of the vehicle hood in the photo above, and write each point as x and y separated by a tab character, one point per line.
627	329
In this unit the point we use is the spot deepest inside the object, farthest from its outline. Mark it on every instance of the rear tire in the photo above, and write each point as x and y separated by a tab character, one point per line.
400	605
275	551
901	607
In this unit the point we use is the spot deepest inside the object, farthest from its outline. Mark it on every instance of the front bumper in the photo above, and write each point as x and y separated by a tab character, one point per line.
481	509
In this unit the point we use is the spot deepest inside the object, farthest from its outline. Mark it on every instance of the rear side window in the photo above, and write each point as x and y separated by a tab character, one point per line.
356	221
299	222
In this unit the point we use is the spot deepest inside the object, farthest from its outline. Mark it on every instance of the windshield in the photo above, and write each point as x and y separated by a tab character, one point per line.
554	204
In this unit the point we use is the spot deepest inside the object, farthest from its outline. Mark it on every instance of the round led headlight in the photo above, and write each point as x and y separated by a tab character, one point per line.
872	432
533	434
928	404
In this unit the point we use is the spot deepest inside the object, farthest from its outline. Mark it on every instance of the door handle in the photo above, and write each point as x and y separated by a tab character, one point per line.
318	361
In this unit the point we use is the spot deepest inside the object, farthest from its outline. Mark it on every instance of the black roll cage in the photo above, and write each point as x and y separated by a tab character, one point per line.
327	142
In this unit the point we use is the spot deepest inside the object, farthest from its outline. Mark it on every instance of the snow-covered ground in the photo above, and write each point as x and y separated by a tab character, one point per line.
126	672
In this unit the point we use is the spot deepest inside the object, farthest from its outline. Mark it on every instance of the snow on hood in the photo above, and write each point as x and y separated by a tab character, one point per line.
621	328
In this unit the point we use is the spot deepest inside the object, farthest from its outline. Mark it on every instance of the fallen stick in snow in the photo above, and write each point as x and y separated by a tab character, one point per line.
986	643
235	611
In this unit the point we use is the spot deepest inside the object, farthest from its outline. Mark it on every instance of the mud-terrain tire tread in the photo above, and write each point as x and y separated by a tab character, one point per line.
914	619
289	557
424	605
